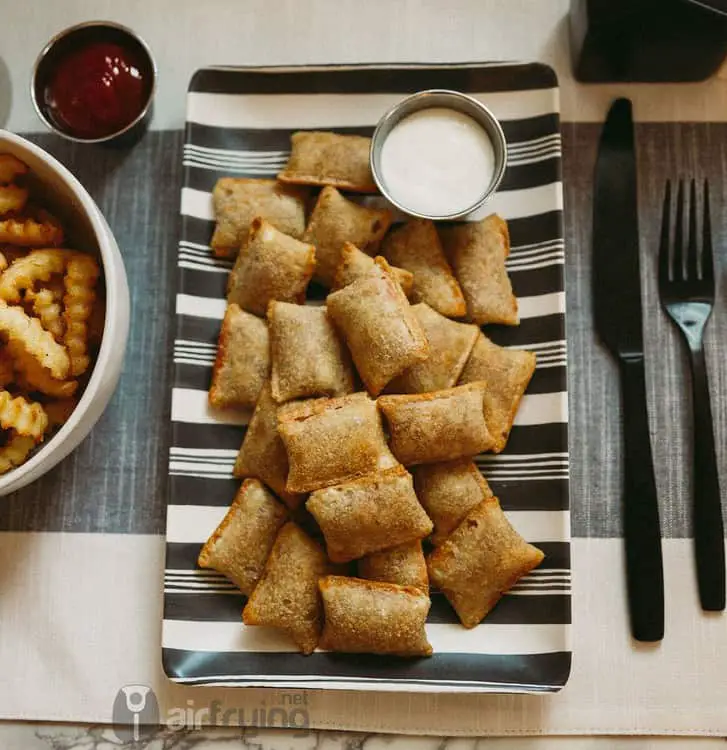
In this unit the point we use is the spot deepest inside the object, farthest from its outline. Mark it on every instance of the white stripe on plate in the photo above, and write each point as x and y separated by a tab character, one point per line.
556	258
545	141
195	246
230	154
195	362
193	343
533	251
211	453
542	408
261	111
189	405
511	204
519	458
215	167
201	307
187	468
445	638
537	306
200	267
193	524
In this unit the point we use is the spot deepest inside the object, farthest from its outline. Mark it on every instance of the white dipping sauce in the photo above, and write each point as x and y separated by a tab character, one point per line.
437	161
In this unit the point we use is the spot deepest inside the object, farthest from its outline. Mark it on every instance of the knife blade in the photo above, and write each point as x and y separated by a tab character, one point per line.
618	320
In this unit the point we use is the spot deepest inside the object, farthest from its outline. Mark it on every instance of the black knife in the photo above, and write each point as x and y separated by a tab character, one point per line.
617	310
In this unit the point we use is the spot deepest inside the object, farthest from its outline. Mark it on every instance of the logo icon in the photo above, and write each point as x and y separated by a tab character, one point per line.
135	713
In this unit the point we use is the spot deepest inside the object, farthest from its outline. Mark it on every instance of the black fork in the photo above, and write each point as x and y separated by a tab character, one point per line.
686	288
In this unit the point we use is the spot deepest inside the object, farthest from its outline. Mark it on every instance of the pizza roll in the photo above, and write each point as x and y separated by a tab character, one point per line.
404	565
448	492
237	201
262	453
416	247
477	252
271	266
336	220
242	364
354	264
330	441
322	158
287	595
450	345
440	426
482	559
380	328
507	373
373	617
369	514
309	359
240	545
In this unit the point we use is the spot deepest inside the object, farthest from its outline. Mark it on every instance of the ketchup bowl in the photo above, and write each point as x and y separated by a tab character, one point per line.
94	83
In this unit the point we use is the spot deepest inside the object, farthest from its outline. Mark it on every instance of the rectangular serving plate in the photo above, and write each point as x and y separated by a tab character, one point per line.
239	122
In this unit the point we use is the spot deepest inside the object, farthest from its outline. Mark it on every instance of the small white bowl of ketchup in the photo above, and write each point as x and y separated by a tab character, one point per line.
94	83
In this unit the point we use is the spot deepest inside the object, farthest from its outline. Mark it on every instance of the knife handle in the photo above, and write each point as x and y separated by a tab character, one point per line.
642	533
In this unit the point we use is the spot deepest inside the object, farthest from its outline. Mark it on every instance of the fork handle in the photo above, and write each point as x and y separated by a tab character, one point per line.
642	532
708	526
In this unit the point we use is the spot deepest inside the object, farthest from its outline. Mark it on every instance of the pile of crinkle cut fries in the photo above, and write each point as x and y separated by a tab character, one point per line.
51	318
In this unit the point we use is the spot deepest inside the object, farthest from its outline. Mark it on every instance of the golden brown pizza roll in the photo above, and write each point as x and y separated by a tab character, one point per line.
416	247
308	357
237	201
369	514
448	492
482	559
404	565
355	264
242	364
477	252
262	453
332	440
507	373
374	618
287	595
271	266
378	324
322	158
430	427
336	220
450	345
240	545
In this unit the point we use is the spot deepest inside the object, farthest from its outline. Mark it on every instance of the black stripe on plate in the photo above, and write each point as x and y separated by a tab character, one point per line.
536	281
203	330
183	555
539	330
534	494
210	491
197	377
523	176
527	671
538	438
218	436
546	380
374	80
197	230
546	609
517	177
537	228
278	139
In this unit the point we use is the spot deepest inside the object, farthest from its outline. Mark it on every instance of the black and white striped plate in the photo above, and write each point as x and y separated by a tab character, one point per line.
239	123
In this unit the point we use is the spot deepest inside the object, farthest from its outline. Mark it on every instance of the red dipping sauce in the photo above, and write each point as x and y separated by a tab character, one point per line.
97	90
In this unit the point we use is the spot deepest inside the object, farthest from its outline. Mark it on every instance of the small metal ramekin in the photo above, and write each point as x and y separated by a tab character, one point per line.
76	36
450	100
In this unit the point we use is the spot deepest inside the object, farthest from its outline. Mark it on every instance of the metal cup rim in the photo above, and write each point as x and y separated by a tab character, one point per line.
62	35
427	99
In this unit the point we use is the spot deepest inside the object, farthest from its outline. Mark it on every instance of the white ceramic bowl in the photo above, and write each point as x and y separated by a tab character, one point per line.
65	195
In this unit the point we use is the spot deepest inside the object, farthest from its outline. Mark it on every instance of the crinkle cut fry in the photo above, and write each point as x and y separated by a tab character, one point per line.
32	376
10	168
48	307
26	418
15	451
12	198
17	325
24	273
31	232
82	273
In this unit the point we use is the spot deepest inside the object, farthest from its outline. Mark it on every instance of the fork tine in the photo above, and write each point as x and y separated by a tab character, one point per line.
678	262
664	241
707	261
692	249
